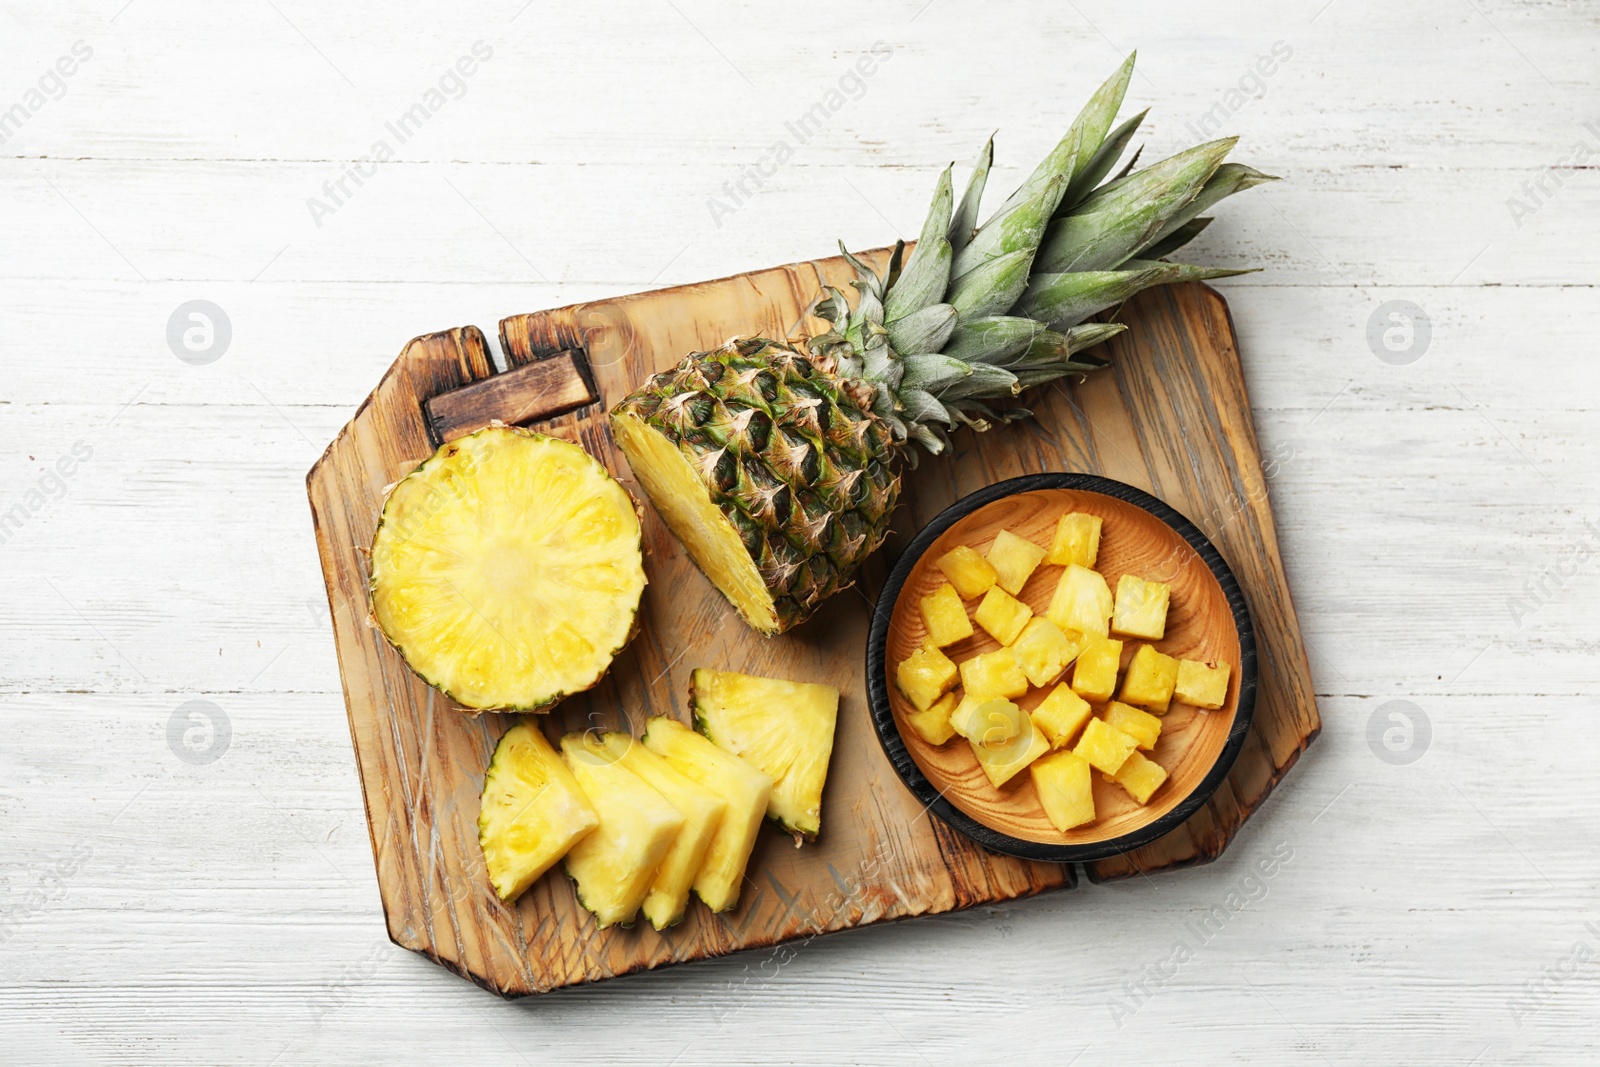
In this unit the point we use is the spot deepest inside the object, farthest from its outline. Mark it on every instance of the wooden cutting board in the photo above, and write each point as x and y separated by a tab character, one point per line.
1170	416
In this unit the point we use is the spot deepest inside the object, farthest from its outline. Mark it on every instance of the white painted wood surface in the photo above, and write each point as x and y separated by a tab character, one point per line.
1433	515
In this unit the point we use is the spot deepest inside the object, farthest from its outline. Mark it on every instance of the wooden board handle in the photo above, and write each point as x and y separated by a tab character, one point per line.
534	391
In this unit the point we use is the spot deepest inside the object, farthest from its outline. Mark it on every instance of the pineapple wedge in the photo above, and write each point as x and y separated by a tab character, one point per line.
1061	714
1043	651
1105	747
784	728
993	674
1139	725
1141	777
970	573
746	791
1150	679
1013	559
1077	540
1095	676
702	811
925	676
945	616
1141	608
1002	615
1065	790
1001	760
613	868
1082	602
933	725
533	811
1205	685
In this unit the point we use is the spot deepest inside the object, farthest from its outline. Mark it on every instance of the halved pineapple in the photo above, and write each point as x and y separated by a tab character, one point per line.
783	728
506	569
1004	750
746	791
1077	540
945	616
993	674
933	724
1105	747
1013	559
970	573
1082	602
1142	726
1065	791
1141	608
702	811
1205	685
1061	714
1043	651
925	676
613	868
1150	679
1002	615
1141	777
1095	676
533	811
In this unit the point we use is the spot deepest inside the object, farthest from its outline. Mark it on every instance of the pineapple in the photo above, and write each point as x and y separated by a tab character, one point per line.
506	570
1064	788
1205	685
1082	602
1141	777
970	573
933	725
993	674
613	868
1077	540
746	791
1002	757
533	811
776	463
702	810
1105	747
1141	608
1150	679
1061	714
1002	615
1139	725
925	676
1013	559
1043	651
1095	676
784	728
945	617
986	720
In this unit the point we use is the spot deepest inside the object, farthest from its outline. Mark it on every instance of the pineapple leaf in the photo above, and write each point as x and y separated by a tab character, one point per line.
985	380
1186	272
932	371
1062	300
917	406
992	340
1176	239
964	224
923	331
1104	159
991	288
1229	178
1020	228
928	271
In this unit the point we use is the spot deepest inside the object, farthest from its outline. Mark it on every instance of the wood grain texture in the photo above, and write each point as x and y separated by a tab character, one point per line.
529	393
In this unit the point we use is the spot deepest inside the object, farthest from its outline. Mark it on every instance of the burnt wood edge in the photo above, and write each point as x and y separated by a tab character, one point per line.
532	392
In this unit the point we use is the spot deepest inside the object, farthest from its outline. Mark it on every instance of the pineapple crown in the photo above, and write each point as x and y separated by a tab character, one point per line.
979	313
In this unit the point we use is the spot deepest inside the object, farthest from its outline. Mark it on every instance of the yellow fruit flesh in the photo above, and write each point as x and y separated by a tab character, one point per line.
1082	602
1150	679
533	811
933	725
1077	540
1061	715
1013	559
1065	789
1139	725
1141	777
970	573
945	616
1141	608
1095	676
1204	685
993	674
1105	747
925	676
1043	651
1002	615
991	721
1002	759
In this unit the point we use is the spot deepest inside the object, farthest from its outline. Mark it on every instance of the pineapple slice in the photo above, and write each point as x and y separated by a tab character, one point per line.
1105	747
1001	759
533	811
1061	714
1139	725
702	811
746	791
1077	540
1013	559
1141	608
993	674
1043	651
945	616
1002	615
925	676
970	573
507	570
784	728
1065	791
933	725
1082	602
1150	679
1205	685
987	720
1141	777
613	868
1095	676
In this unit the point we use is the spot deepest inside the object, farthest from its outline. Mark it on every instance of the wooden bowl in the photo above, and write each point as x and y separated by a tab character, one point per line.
1207	620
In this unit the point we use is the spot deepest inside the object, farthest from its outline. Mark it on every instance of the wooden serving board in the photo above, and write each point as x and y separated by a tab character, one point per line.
1171	416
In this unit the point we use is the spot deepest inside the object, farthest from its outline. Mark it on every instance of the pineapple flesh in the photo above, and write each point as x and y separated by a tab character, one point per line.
970	573
1140	776
533	811
1002	615
1061	715
1065	789
1005	750
1044	652
925	676
1095	676
1013	559
991	720
993	674
1142	726
945	617
1077	540
1105	747
1082	602
1205	685
933	724
1141	608
1150	679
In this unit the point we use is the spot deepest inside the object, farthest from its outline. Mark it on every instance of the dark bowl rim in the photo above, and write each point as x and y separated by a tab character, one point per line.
894	745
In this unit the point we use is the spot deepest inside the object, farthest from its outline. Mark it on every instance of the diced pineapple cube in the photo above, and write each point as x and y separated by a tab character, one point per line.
945	616
1001	760
1150	679
1013	559
993	674
1061	714
933	723
1141	777
1205	685
1002	615
1106	747
1082	602
1043	651
1095	676
987	720
925	676
1065	791
1077	540
970	573
1142	726
1141	608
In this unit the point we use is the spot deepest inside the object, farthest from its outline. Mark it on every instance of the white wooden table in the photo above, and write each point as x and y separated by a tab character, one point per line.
1434	896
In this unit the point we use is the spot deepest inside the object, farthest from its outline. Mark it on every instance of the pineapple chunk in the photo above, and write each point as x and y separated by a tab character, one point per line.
1095	676
945	616
989	720
925	676
533	811
1077	540
1139	725
1106	747
933	725
1082	602
613	868
1002	759
1141	608
1013	559
1043	651
1002	615
1065	791
746	790
970	573
1205	685
993	674
1061	714
1150	679
1141	777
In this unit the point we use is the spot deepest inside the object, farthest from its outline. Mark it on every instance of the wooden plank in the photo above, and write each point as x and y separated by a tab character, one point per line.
529	393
